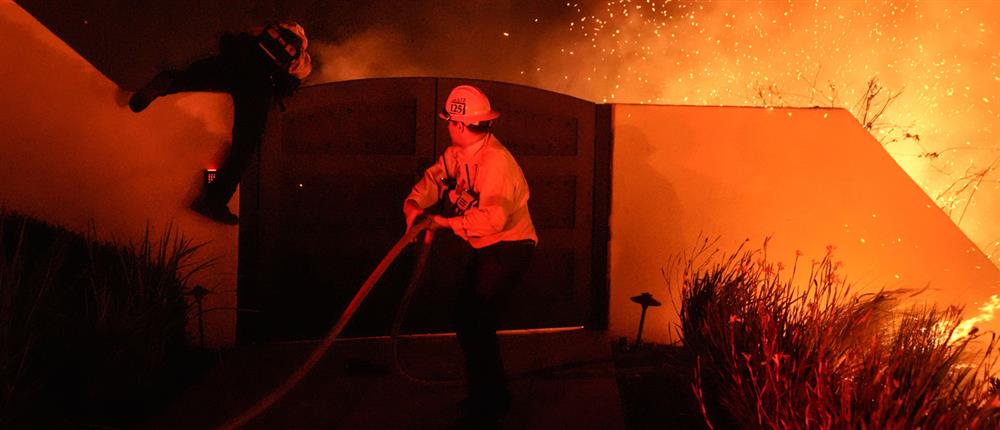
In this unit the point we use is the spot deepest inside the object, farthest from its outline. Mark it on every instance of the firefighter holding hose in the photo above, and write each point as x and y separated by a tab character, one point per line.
256	68
486	198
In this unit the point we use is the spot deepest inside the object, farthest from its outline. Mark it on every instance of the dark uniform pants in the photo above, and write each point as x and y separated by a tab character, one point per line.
241	70
494	272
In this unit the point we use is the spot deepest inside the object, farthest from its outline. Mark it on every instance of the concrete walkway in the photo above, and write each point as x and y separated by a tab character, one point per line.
558	380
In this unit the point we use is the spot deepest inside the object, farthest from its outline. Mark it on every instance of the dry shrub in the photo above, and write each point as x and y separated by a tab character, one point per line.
774	355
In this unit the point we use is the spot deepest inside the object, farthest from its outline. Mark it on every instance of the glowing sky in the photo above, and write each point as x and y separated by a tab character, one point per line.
941	57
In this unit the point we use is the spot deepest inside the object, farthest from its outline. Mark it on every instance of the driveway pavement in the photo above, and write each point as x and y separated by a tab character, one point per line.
559	380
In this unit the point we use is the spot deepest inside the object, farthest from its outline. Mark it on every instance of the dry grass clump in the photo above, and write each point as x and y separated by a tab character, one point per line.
773	355
89	332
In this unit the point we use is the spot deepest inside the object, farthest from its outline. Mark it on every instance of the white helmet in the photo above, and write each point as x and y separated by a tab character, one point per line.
467	104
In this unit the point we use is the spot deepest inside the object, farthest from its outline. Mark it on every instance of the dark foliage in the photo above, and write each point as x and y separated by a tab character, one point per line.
91	334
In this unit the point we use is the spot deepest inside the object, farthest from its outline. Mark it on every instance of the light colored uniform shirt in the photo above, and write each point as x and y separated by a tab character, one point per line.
490	169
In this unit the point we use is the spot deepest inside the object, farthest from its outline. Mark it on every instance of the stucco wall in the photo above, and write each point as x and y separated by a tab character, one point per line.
72	154
808	178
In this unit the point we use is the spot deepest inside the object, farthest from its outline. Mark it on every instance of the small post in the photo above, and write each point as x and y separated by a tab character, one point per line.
199	292
645	300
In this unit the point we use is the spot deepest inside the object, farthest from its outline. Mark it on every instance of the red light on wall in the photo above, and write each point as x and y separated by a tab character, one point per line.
210	176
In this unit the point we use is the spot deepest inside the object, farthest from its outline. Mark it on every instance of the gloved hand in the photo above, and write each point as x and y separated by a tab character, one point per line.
439	222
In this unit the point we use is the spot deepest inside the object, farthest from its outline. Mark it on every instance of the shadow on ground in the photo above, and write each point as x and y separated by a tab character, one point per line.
655	386
559	380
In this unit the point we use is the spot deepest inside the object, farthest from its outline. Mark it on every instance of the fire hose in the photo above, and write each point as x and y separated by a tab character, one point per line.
266	402
320	350
404	305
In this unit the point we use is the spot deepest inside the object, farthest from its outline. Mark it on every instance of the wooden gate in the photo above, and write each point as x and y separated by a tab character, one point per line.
324	203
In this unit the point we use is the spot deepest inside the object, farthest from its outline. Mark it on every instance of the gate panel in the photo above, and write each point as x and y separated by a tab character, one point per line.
323	205
331	178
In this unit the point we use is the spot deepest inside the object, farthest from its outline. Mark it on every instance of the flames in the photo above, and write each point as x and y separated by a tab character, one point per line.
937	57
966	327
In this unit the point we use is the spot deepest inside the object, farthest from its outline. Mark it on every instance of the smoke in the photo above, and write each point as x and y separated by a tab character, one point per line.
372	53
214	111
501	41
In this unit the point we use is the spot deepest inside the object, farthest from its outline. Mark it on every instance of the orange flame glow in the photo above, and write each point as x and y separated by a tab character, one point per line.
986	313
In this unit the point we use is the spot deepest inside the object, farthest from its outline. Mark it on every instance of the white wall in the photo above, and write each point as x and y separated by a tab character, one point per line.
72	154
806	177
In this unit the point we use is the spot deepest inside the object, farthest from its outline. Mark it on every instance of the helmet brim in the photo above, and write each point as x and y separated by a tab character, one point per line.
469	119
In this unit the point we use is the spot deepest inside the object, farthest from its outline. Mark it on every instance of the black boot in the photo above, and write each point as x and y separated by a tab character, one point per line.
155	88
484	412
